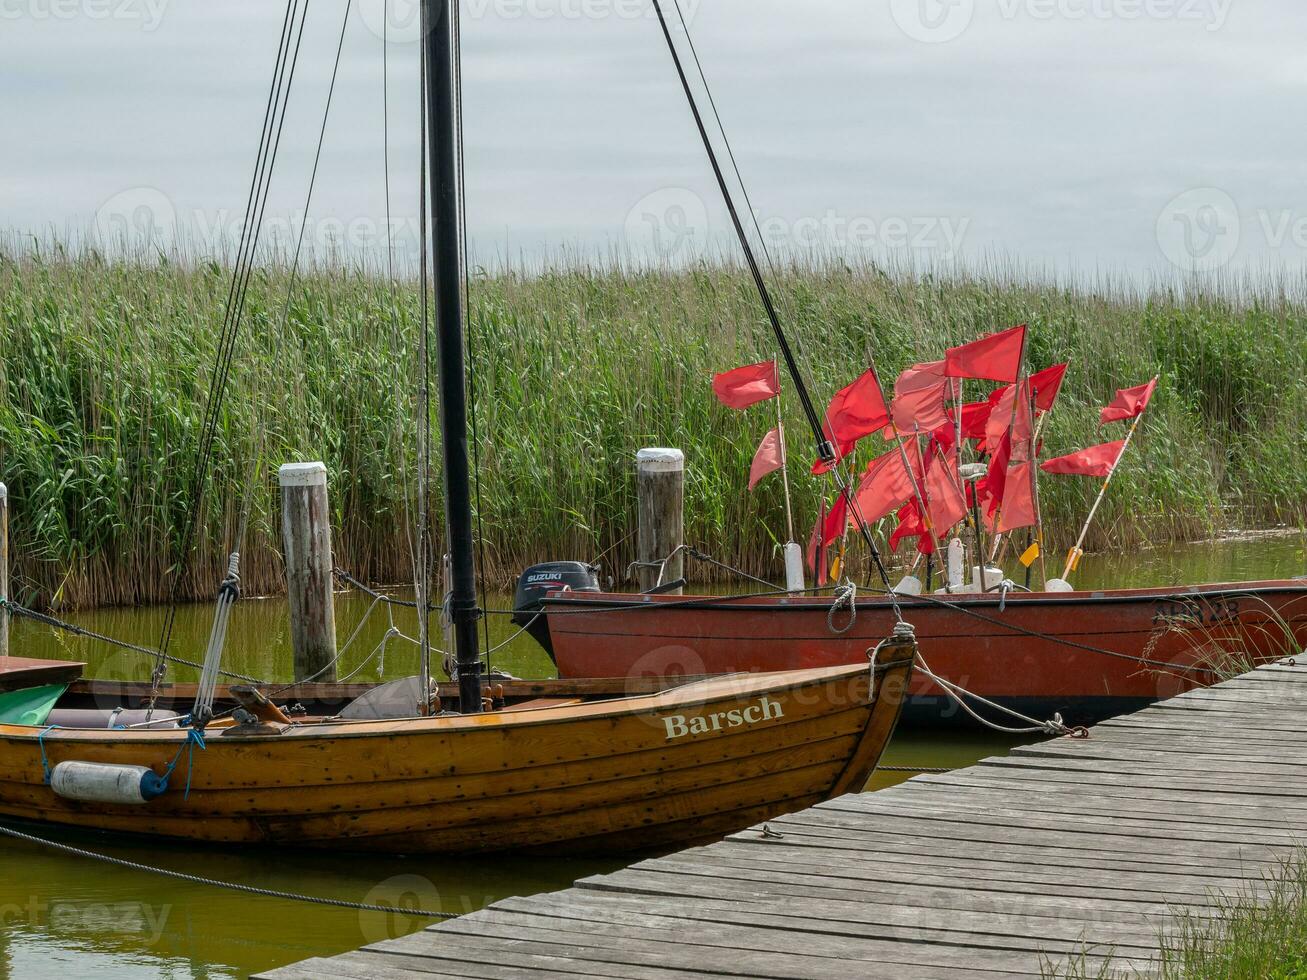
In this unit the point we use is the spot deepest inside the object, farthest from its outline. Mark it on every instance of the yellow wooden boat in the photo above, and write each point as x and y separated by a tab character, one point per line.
586	773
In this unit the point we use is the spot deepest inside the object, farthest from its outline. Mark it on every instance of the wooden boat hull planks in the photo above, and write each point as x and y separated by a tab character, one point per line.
690	763
614	635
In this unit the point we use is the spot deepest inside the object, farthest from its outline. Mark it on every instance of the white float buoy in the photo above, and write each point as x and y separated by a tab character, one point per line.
98	782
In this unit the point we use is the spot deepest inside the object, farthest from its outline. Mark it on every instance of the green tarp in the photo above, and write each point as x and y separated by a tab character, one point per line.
29	707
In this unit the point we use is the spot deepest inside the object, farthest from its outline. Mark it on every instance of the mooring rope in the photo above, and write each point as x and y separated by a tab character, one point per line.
230	885
1054	726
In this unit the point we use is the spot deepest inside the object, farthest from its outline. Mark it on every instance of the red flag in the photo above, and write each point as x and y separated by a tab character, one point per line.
857	411
837	520
1007	413
886	485
1130	403
1018	508
909	525
816	548
1094	461
975	416
919	396
767	459
992	486
946	503
993	358
1047	385
747	385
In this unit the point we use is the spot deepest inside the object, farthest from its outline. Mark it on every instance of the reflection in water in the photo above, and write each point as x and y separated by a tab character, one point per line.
62	916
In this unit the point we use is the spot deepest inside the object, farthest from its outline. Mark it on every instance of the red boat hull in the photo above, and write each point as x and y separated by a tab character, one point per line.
985	644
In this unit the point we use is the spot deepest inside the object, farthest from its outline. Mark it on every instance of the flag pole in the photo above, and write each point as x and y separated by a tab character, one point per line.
785	475
1075	554
916	491
1034	486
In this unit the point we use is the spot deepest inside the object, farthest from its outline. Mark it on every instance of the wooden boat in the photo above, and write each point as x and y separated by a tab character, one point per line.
1210	626
582	773
575	771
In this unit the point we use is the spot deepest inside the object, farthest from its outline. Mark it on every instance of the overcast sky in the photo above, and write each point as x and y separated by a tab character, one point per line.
1124	135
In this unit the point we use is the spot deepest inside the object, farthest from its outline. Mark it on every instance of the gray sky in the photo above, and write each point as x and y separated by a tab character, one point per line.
1120	135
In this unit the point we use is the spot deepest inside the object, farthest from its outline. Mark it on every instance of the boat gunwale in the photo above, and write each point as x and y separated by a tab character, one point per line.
630	602
607	708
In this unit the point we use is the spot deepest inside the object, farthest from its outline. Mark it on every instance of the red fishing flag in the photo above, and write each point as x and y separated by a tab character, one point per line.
1007	412
856	411
1018	508
816	549
887	485
1047	385
767	459
993	358
975	416
1130	403
944	499
909	525
1094	461
991	488
837	521
919	396
747	385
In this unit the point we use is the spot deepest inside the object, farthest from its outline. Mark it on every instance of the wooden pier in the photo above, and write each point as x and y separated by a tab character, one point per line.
1007	868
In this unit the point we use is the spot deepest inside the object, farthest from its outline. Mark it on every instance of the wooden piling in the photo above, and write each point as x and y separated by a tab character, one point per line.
306	543
4	569
660	485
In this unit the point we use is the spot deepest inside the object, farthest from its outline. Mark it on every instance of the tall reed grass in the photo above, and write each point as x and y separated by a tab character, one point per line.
104	367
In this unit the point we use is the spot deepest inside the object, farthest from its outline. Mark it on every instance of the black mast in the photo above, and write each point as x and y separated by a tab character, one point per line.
438	32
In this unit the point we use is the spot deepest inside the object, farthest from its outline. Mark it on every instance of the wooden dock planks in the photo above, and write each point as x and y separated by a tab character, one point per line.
996	871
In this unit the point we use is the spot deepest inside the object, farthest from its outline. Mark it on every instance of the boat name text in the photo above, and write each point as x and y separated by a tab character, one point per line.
678	726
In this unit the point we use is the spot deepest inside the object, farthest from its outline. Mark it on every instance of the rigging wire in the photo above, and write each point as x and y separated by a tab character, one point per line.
256	203
825	449
423	572
726	141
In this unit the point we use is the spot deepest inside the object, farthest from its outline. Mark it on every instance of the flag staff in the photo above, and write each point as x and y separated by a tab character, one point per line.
1034	485
785	475
1075	554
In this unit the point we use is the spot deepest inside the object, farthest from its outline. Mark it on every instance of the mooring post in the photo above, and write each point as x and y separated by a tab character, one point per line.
4	569
660	485
306	543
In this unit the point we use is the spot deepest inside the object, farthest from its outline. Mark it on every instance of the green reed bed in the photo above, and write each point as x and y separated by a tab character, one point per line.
1253	935
104	368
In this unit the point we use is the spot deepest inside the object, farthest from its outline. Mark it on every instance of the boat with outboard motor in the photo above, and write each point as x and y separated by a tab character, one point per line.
1087	655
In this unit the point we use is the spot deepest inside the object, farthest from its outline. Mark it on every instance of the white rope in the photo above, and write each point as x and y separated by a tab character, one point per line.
1054	726
228	593
845	596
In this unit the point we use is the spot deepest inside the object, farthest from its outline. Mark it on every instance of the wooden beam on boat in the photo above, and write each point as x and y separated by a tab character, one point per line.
514	690
1009	868
19	673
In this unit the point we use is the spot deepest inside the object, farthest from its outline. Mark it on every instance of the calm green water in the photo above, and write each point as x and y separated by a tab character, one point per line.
63	917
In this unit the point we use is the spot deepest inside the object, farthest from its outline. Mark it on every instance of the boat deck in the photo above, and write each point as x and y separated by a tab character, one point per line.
1003	869
18	673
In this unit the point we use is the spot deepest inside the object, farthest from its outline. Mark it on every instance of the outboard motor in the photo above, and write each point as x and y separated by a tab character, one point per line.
537	582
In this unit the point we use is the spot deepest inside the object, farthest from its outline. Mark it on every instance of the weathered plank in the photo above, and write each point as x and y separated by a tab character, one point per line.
993	872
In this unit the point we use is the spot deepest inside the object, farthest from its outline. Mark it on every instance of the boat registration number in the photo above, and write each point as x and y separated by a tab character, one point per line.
1196	612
